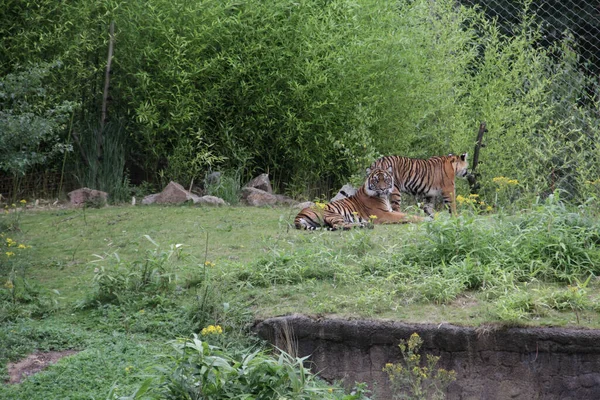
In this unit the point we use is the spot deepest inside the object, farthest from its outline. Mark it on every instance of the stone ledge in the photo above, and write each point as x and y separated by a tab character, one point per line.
497	363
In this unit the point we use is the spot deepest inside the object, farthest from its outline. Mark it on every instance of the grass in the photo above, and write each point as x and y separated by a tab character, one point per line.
119	282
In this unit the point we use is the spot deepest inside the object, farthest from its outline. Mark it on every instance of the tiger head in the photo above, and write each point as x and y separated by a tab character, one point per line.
380	182
459	164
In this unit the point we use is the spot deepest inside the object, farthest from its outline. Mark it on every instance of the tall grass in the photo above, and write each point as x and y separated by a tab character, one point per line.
102	165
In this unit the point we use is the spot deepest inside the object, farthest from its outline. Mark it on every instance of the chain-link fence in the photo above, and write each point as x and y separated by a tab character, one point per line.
563	26
558	18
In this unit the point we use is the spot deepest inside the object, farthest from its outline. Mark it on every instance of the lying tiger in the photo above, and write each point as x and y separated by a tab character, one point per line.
371	200
430	178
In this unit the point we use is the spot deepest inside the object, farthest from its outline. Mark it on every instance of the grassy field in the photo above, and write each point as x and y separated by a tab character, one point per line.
118	283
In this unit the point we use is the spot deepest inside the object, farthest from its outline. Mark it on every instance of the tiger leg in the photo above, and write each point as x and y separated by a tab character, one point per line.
336	221
428	206
395	198
450	200
397	218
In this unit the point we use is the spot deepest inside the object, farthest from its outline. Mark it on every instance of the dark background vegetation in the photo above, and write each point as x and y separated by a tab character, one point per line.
309	91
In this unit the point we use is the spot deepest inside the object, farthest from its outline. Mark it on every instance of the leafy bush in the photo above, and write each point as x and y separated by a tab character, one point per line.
30	121
200	370
410	380
313	92
121	282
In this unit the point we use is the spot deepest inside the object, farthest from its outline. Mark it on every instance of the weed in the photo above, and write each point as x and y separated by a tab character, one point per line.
200	370
410	380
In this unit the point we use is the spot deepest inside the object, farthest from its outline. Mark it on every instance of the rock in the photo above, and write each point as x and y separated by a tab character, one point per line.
302	206
213	179
211	201
173	193
256	197
150	199
261	182
83	195
346	191
281	199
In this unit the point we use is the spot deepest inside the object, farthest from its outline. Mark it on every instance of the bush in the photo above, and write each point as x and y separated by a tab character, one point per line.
200	370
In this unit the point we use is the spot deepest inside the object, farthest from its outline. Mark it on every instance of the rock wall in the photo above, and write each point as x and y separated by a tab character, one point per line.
490	364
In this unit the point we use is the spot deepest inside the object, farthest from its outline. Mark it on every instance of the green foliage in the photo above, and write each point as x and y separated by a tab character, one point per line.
200	370
23	298
410	380
227	186
309	91
103	165
30	122
120	281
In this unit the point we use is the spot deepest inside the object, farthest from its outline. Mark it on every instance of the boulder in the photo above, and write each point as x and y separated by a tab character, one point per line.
173	193
261	182
213	179
281	199
150	199
302	206
83	195
256	197
346	191
210	201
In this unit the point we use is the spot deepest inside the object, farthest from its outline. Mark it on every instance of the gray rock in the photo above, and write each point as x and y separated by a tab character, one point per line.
211	201
346	191
213	179
173	193
150	199
302	206
256	197
261	182
83	195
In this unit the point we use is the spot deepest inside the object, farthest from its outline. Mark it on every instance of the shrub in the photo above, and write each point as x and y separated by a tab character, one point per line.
410	380
200	370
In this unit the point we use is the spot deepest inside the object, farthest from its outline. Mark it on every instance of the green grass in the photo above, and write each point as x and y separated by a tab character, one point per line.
113	282
388	272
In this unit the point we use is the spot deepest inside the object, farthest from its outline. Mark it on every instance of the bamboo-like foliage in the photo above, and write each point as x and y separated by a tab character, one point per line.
312	91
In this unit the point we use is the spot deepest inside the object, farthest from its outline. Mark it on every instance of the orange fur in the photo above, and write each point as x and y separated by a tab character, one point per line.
371	199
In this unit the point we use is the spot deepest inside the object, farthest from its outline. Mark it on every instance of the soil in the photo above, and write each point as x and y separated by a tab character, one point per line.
34	363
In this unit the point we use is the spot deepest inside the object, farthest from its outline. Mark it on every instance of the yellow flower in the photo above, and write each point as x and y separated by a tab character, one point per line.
488	208
330	390
503	181
14	205
10	254
373	216
320	205
354	213
21	246
141	311
128	369
23	201
9	284
209	264
212	330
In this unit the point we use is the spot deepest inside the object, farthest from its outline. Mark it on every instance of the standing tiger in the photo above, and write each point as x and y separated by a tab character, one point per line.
430	178
371	199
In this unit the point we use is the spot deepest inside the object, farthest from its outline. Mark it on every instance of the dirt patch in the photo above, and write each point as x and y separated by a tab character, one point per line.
34	363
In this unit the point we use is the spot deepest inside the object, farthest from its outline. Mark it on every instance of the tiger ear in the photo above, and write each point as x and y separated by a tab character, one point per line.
463	156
